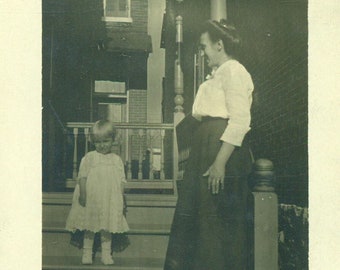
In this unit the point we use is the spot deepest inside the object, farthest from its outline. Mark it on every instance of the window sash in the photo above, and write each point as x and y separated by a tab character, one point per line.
117	10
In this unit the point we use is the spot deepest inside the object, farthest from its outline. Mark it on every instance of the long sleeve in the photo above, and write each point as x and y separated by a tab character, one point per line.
238	87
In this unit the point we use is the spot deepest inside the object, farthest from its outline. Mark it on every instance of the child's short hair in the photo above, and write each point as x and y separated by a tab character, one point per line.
102	129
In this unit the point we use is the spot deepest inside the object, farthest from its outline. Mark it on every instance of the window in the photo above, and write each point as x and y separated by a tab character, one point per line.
117	11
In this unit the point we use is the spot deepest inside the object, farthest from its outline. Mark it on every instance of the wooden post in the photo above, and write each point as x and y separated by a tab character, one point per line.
86	133
64	166
140	155
218	9
178	70
129	172
179	100
151	160
265	217
162	175
75	153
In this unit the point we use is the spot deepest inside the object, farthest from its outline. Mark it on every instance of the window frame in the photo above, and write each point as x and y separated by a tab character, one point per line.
127	19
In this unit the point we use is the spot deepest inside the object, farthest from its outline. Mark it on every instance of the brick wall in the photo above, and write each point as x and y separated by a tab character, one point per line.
275	53
137	106
137	114
276	56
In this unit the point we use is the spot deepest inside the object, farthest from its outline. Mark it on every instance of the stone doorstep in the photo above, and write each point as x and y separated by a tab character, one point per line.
141	246
74	263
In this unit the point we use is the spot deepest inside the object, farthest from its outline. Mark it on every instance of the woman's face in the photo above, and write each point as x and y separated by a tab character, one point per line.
211	50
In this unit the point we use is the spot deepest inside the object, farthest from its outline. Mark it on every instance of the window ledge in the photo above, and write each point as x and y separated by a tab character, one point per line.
117	19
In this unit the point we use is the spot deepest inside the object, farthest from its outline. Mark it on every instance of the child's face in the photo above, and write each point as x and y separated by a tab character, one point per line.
103	145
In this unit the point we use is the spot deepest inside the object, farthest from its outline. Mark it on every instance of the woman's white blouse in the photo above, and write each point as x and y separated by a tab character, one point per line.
227	94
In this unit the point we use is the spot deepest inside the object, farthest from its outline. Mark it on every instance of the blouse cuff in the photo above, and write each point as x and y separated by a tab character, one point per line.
234	135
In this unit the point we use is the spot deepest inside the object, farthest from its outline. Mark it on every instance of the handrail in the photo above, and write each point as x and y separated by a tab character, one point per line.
133	141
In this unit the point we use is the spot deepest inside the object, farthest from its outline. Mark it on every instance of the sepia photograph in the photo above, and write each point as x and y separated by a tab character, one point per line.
169	134
175	134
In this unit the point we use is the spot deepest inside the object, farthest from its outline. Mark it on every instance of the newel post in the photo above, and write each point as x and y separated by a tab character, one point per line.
179	100
265	216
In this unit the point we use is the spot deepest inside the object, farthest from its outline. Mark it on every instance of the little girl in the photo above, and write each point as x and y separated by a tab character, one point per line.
97	204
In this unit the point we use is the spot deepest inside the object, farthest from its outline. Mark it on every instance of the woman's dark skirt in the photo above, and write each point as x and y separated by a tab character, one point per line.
209	232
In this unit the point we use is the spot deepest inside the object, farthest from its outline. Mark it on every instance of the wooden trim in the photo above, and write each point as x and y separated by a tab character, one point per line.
136	184
123	125
133	200
117	19
135	229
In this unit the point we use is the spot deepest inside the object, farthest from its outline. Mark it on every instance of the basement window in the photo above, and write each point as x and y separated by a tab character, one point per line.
117	11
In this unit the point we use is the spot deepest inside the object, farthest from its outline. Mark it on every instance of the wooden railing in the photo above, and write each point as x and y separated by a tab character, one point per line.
144	148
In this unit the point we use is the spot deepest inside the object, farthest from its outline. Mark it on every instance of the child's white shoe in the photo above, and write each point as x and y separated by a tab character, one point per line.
87	256
107	258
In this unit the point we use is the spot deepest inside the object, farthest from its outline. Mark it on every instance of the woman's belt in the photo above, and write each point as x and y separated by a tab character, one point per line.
211	118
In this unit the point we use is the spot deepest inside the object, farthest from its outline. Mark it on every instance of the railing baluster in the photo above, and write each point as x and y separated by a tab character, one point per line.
151	160
86	133
64	166
138	138
129	172
75	153
162	176
140	155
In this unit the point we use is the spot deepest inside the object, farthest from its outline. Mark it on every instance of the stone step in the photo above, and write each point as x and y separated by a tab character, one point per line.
149	218
142	209
135	215
74	263
141	246
65	198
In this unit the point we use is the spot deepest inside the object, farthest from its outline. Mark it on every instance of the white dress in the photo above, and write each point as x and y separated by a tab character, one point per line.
104	200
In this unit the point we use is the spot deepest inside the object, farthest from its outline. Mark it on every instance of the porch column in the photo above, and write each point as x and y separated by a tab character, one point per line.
218	9
179	100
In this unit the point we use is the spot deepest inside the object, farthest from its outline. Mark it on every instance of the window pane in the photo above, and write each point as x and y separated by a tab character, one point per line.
111	8
117	8
122	5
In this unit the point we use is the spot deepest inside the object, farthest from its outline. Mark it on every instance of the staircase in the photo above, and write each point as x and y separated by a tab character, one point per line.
149	218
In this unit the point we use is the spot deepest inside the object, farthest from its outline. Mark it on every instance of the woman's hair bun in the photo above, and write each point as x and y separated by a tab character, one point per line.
224	30
226	24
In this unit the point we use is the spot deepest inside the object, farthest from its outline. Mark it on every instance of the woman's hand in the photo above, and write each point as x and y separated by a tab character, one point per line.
216	174
216	171
82	200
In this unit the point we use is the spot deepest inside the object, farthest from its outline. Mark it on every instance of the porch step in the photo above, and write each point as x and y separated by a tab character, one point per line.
149	218
137	217
141	209
74	263
137	184
141	246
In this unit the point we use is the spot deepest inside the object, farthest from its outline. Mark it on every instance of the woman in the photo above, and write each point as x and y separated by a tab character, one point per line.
209	229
